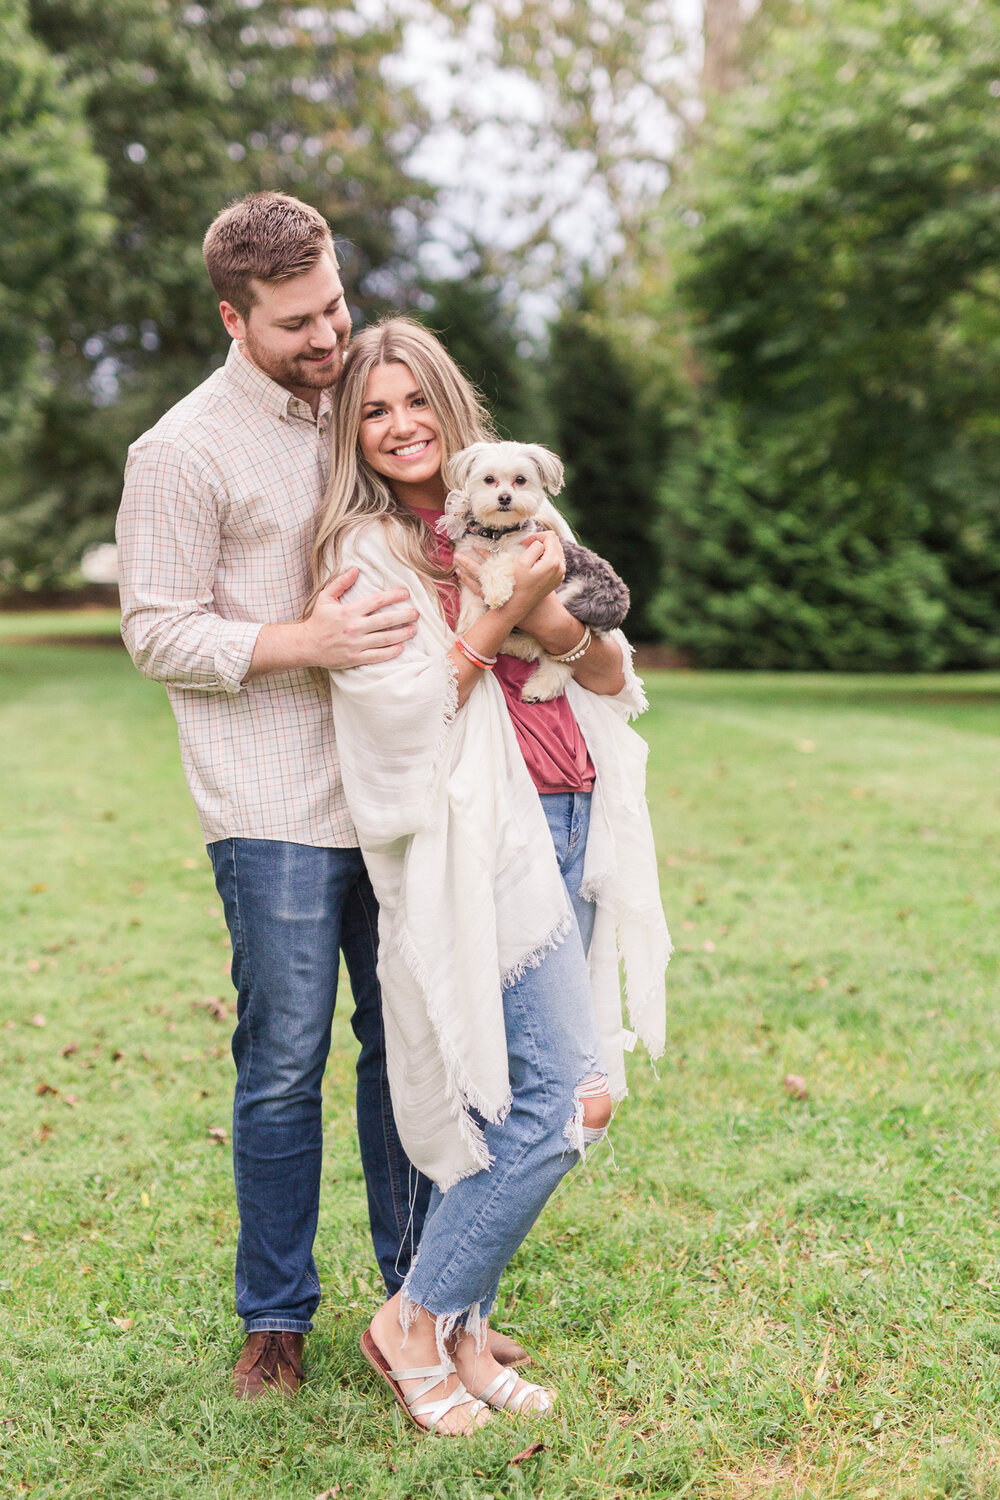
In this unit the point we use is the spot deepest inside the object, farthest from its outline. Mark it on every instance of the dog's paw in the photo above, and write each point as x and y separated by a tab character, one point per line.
496	595
496	579
547	681
524	647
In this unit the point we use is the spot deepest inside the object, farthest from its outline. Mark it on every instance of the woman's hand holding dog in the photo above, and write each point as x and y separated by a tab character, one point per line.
539	570
546	551
547	619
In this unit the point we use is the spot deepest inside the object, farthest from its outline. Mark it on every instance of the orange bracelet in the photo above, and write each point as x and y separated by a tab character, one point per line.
484	663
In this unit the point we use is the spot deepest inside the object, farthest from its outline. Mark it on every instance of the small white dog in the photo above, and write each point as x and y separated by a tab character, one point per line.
500	495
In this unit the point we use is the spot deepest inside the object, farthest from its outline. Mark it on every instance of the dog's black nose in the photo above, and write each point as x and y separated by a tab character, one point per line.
504	501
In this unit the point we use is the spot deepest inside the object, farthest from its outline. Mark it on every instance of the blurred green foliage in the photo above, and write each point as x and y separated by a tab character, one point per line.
188	106
779	409
52	188
835	502
613	448
477	328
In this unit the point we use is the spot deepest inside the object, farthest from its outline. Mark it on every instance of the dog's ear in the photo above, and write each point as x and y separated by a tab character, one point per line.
550	469
459	465
456	515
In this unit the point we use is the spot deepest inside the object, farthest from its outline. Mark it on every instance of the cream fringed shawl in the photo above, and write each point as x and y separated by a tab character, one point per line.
469	891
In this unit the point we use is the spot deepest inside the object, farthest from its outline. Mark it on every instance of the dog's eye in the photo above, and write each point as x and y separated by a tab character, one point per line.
520	479
489	479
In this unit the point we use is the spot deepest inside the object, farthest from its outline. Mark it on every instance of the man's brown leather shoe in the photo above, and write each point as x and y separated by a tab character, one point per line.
271	1362
505	1351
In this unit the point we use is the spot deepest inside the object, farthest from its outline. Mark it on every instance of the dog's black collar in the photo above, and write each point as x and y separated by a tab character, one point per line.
493	533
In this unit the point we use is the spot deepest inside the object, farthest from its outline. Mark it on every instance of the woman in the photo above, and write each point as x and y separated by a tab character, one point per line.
501	1066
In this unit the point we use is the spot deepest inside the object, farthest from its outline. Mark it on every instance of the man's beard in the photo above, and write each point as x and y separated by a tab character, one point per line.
295	370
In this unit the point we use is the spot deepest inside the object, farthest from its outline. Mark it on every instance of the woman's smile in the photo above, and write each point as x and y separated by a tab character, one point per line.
412	449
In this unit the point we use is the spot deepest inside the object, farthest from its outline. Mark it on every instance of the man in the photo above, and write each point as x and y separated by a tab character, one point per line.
215	533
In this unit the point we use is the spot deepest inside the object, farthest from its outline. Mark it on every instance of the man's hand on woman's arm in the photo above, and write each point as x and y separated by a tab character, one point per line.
357	633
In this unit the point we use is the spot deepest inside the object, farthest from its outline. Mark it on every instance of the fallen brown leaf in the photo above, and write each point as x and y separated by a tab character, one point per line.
34	966
44	1132
329	1494
118	1055
46	1088
71	1100
795	1086
37	1020
69	1049
39	886
218	1134
123	1323
215	1006
528	1452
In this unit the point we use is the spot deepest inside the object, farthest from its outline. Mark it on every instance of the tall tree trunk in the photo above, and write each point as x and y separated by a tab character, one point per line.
722	22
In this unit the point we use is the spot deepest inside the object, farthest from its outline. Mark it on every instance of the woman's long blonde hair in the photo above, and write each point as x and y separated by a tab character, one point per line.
355	494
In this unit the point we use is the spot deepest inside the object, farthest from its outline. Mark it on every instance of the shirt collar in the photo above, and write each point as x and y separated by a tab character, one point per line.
267	393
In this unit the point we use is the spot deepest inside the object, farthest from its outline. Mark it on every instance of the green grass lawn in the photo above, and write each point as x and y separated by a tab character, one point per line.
762	1295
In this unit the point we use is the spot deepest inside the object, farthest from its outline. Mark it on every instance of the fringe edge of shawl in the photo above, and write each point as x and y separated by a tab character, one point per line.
632	679
464	1096
595	889
534	958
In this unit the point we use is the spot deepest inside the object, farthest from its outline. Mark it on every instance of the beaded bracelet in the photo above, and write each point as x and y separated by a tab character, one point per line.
485	663
580	649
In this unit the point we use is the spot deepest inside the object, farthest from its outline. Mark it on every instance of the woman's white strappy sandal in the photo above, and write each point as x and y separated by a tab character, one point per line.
500	1395
429	1376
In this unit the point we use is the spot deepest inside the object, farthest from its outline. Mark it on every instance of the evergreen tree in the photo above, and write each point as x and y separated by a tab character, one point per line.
837	502
51	186
611	447
477	330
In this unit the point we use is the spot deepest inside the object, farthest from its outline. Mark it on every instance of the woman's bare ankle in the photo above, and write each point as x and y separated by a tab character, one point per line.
385	1325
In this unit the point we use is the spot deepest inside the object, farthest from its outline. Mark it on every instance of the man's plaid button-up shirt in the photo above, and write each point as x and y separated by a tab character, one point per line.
215	531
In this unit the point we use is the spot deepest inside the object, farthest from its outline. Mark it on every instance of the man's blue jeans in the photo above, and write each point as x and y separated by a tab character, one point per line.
290	909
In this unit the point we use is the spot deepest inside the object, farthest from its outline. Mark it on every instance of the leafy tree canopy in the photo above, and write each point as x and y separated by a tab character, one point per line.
52	188
842	272
189	106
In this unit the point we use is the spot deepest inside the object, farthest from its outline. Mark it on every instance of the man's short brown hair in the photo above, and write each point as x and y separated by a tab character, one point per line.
263	237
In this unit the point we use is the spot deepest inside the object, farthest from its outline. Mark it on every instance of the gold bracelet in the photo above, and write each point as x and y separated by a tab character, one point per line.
580	649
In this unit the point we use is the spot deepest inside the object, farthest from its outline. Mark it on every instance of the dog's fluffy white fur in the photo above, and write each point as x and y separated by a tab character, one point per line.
499	490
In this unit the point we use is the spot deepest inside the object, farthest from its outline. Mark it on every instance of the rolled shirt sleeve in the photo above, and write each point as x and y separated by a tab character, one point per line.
169	550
